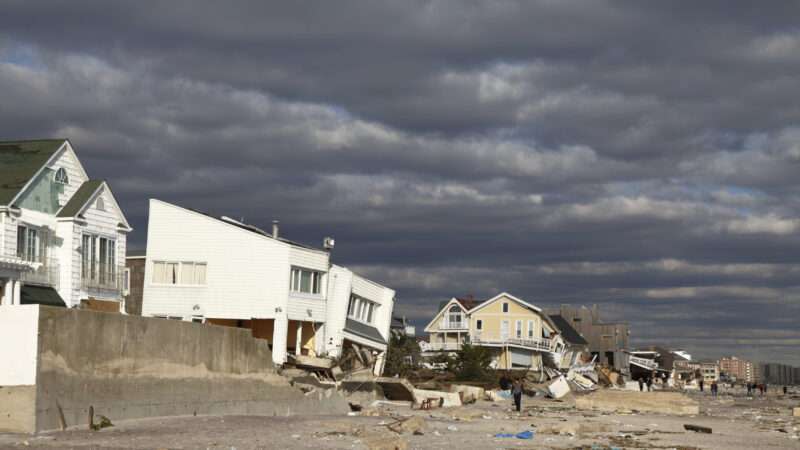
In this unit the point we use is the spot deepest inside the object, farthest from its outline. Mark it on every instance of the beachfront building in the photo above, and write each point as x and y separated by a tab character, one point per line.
62	235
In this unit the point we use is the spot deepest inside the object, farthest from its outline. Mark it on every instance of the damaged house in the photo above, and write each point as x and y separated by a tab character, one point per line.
62	234
519	335
221	271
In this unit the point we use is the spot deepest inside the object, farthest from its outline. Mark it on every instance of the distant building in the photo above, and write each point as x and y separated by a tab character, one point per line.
606	340
134	282
737	369
402	327
774	373
710	371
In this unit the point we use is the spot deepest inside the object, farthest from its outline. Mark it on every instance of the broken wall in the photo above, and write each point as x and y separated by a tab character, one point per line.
130	367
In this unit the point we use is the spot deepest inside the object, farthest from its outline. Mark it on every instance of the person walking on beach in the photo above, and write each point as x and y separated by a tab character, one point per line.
641	384
649	384
516	389
701	384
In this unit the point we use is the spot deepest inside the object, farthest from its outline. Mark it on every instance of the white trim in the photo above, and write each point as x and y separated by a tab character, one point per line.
441	311
47	164
509	296
363	341
231	225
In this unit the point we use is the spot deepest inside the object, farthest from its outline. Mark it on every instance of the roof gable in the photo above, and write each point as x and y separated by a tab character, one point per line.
569	333
442	309
510	297
20	161
83	197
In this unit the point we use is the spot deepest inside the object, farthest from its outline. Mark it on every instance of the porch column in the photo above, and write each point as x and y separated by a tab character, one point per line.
8	289
17	299
298	338
279	331
380	361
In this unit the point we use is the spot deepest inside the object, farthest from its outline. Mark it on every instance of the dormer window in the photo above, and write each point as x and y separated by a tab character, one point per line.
61	176
454	317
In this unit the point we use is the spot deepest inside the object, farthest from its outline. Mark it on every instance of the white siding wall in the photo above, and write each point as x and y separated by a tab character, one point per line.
8	235
344	283
70	163
380	294
102	223
339	288
300	305
247	274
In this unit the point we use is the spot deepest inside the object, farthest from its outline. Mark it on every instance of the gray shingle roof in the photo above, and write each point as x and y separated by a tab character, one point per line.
79	199
364	330
570	334
19	162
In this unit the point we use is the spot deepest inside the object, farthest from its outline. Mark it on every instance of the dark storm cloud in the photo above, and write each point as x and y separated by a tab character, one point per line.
640	155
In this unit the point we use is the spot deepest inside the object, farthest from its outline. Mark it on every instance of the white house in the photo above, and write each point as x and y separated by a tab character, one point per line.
62	235
221	271
359	317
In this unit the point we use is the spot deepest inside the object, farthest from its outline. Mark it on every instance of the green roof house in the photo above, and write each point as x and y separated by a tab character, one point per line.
62	234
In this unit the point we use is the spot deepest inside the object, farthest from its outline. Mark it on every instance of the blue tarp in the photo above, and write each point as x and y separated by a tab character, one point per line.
523	435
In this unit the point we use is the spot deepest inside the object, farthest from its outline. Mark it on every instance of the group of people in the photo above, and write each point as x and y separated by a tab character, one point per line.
761	387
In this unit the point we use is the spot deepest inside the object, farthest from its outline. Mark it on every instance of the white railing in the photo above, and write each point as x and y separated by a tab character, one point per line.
445	346
643	362
452	325
46	274
546	345
105	278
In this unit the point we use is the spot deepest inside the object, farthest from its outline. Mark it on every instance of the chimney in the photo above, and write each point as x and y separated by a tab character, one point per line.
275	229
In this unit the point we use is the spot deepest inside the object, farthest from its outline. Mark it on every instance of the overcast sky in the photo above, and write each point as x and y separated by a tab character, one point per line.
643	156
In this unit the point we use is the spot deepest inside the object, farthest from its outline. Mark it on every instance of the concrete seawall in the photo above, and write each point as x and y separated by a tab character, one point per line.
130	367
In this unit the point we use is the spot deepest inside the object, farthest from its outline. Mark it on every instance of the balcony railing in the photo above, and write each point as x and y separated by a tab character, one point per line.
45	275
104	278
643	362
452	325
545	345
445	346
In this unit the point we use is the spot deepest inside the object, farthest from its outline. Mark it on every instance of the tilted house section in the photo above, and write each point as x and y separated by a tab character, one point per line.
224	272
62	235
359	318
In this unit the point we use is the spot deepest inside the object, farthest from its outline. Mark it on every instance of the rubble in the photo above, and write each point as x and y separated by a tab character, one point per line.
697	428
411	425
796	411
448	399
396	388
655	402
558	388
469	394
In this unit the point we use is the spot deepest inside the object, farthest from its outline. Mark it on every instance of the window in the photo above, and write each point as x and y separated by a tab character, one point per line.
479	324
505	307
519	329
61	176
361	309
184	273
306	281
29	245
99	259
454	316
530	329
100	204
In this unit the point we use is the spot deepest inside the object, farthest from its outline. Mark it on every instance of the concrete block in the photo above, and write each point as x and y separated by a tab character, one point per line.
654	402
558	388
450	399
469	393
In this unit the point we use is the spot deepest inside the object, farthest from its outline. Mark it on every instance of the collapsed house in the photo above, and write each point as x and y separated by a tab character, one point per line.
221	271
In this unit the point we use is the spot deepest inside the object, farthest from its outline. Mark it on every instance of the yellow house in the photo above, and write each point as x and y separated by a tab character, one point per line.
520	335
449	329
